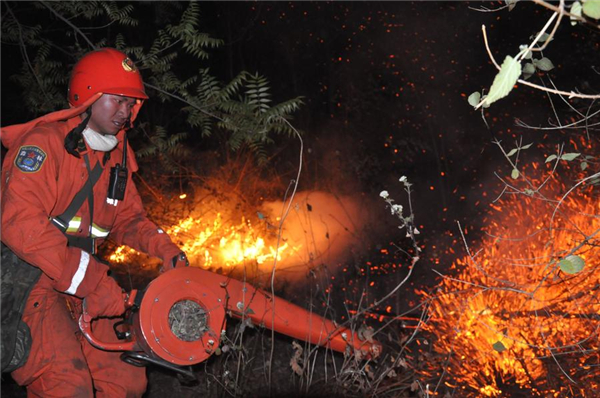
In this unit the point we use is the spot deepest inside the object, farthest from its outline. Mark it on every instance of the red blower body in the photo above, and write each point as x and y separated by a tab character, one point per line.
160	331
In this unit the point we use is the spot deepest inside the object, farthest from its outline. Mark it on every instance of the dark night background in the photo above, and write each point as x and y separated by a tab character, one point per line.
385	86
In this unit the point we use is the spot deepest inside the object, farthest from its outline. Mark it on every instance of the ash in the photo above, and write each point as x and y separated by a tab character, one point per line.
187	320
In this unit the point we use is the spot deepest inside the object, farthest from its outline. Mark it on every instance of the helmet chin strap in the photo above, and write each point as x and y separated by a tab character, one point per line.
99	142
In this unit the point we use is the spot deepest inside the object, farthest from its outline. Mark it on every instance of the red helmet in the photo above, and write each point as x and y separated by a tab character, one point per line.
105	71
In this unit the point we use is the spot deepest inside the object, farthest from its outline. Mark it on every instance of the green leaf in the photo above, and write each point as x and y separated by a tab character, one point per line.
571	264
584	165
528	70
569	156
528	54
504	80
527	146
575	12
543	37
512	152
499	346
485	104
511	4
591	8
474	98
514	174
550	158
544	64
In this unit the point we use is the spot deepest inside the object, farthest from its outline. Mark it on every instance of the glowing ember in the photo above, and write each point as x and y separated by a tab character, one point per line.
212	243
509	318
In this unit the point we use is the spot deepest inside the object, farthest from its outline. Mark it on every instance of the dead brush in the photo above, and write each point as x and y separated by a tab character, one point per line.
253	361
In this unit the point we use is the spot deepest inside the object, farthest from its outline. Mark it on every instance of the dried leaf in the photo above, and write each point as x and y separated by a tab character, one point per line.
414	386
369	372
402	363
366	333
296	359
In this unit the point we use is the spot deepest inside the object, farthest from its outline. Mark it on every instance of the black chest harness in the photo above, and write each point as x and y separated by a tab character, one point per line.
116	191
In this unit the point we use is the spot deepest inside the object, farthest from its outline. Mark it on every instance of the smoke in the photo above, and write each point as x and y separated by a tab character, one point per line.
321	228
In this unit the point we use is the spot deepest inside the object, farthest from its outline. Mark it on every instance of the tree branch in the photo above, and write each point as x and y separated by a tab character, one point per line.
570	95
75	28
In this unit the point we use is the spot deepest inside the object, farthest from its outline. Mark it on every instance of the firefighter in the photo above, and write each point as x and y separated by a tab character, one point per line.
66	186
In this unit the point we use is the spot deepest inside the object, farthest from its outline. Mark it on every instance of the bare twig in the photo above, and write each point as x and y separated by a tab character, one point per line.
284	213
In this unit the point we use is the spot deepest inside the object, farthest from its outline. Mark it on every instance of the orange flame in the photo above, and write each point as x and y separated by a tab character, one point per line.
209	244
511	318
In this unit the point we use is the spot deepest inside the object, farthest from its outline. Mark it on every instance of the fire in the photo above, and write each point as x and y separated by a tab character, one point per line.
509	318
212	243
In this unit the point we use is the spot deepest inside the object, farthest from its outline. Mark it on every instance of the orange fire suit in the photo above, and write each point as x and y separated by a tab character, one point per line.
39	180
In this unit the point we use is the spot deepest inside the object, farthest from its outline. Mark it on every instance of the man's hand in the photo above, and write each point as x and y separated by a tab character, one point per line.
106	300
180	260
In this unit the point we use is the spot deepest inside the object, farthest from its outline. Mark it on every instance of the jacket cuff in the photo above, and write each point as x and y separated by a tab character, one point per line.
81	275
168	253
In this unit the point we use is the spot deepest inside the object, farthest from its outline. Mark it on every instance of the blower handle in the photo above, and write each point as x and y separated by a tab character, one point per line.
85	325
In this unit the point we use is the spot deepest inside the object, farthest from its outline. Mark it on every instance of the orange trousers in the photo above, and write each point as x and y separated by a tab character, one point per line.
62	363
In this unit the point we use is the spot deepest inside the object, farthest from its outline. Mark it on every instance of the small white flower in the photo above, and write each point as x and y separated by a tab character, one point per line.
403	179
397	209
416	231
384	194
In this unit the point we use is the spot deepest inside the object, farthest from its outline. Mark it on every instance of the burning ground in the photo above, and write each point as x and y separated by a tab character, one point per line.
520	314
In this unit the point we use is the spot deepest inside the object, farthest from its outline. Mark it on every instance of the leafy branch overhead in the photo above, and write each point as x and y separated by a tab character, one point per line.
173	63
511	71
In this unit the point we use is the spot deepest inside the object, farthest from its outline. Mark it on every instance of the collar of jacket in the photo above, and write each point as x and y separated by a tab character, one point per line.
10	134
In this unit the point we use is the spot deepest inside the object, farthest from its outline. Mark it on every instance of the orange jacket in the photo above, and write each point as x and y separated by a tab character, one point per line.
39	180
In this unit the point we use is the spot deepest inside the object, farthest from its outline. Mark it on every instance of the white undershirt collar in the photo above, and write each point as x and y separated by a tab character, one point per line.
99	142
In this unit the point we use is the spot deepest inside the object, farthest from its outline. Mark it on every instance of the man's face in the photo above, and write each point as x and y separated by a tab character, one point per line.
110	113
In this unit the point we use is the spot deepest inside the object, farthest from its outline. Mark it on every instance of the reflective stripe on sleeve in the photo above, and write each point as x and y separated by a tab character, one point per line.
80	273
98	232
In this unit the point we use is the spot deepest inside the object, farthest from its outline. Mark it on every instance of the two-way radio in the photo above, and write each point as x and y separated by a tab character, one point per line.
118	177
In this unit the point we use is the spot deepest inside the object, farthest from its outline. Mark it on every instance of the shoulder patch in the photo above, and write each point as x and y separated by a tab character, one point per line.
30	159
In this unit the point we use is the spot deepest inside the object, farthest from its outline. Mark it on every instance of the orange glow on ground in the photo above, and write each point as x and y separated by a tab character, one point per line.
509	319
